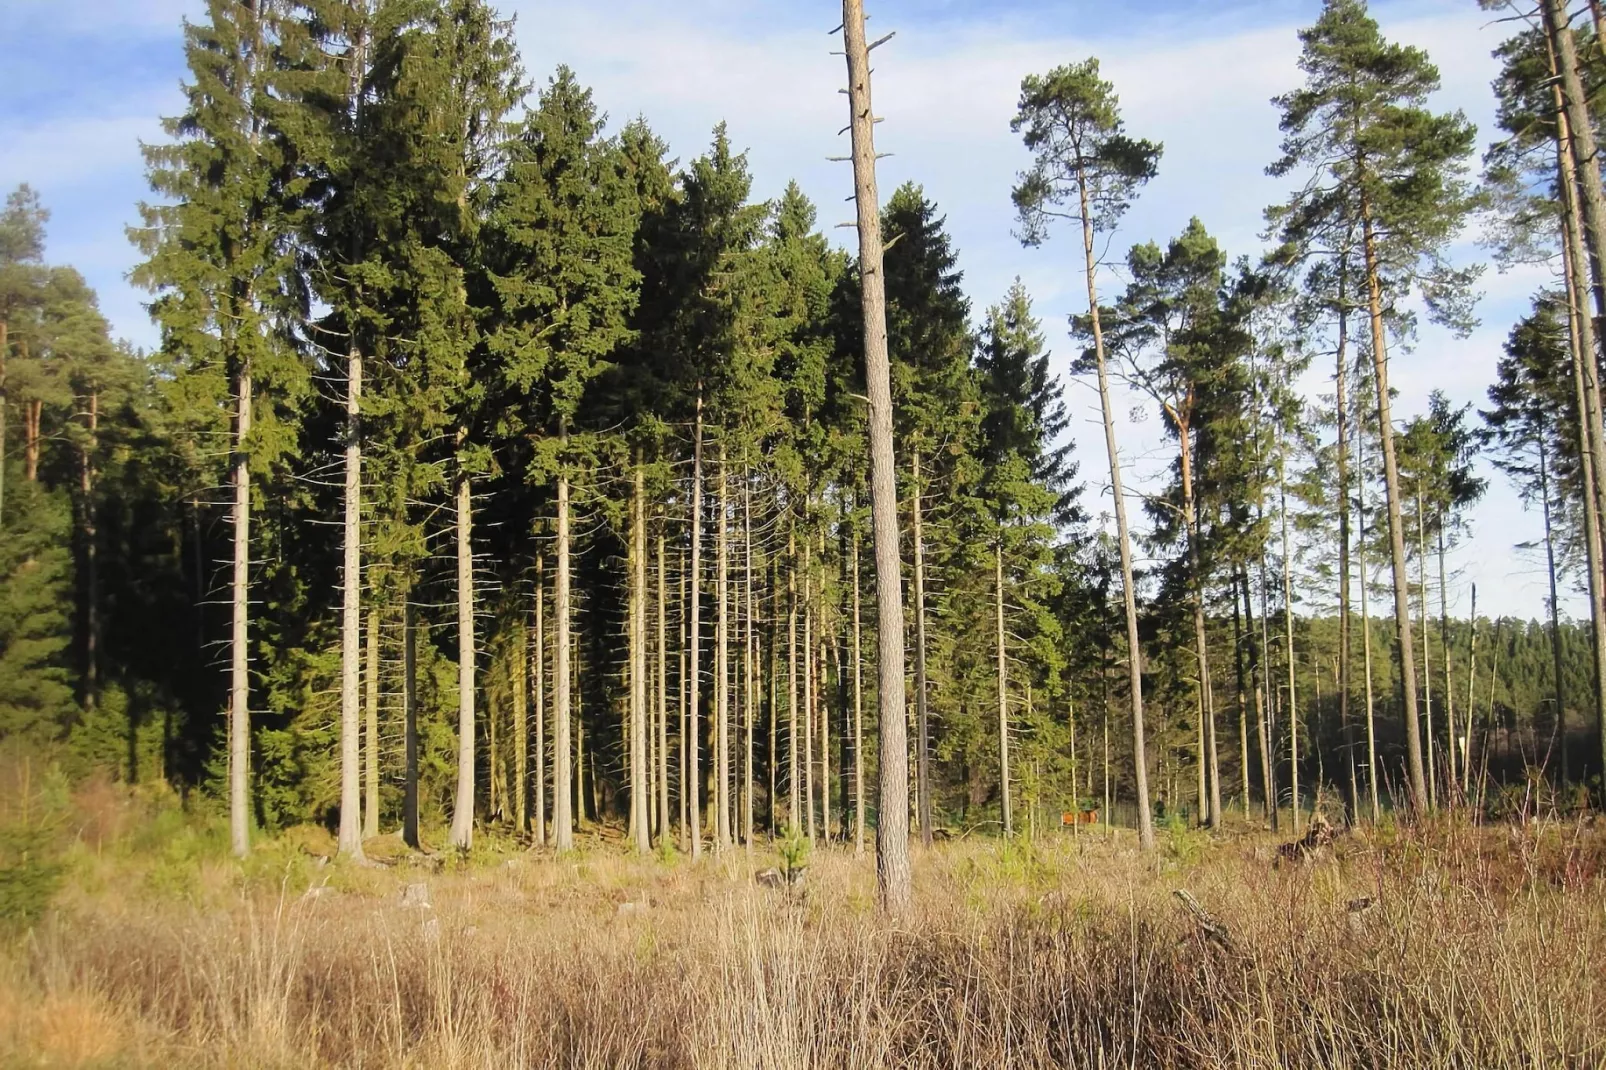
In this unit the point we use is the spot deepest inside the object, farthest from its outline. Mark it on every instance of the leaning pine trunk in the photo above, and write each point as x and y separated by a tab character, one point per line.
892	829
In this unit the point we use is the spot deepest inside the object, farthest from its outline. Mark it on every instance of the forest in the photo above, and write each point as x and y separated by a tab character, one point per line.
518	509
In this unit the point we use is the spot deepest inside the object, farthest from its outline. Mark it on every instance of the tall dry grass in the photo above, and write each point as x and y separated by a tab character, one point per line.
1483	948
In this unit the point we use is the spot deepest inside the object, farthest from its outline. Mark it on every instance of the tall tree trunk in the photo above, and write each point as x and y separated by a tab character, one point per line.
1555	622
693	785
462	831
33	412
239	675
823	704
1257	672
540	702
683	700
1427	665
794	773
1238	640
519	684
1472	680
808	691
1366	645
922	715
749	659
1140	764
563	816
409	722
892	827
370	814
1288	634
1579	274
1391	482
722	630
1341	408
858	709
1444	652
640	803
1209	762
1003	685
663	696
91	513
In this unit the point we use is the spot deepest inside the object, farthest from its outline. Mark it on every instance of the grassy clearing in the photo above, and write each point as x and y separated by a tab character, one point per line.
1481	947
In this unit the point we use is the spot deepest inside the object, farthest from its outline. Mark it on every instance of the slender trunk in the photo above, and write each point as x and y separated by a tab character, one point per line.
462	831
409	722
1555	618
370	815
1288	635
858	710
86	489
1472	679
693	785
808	691
1238	640
1391	482
794	774
822	704
1209	762
683	699
749	659
722	630
1341	407
539	689
1257	672
1444	652
892	826
1427	665
240	680
32	413
1366	632
563	816
1140	765
663	696
640	803
922	716
1003	685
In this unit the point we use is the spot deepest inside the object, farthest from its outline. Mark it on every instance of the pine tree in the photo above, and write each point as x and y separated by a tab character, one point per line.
1381	164
1085	169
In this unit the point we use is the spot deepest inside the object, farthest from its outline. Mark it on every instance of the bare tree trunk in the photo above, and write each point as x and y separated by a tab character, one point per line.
1472	680
693	785
462	832
1444	650
1391	483
563	817
409	722
823	704
1209	763
663	697
858	710
1257	672
1238	640
1341	407
240	678
1003	685
808	691
892	826
1427	665
722	630
32	413
794	773
749	658
683	698
1366	633
1288	634
922	716
370	817
1555	619
1140	764
540	702
86	488
640	804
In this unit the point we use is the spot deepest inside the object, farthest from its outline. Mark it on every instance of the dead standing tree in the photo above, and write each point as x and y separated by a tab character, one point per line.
892	823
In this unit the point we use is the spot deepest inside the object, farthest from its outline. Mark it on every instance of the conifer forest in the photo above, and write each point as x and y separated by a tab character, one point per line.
546	599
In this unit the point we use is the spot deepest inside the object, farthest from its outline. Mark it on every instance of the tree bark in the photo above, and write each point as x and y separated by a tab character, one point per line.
563	816
409	723
922	692
808	691
663	697
640	803
1430	758
462	831
794	773
87	475
1416	771
1288	636
1366	641
823	704
1341	408
858	710
1003	686
370	815
1209	761
1444	651
892	825
1555	616
1140	764
749	659
540	832
693	785
722	630
239	675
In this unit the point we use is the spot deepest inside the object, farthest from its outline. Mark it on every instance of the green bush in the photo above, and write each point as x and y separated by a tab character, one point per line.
33	820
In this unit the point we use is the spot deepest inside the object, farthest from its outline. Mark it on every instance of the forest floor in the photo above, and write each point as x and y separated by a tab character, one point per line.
1442	946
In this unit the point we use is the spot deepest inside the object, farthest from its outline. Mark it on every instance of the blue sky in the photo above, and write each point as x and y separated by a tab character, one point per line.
87	80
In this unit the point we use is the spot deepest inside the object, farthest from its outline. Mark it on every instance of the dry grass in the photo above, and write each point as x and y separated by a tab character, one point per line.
1485	948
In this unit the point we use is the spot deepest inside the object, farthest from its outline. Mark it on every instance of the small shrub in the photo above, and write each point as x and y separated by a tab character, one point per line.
33	819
